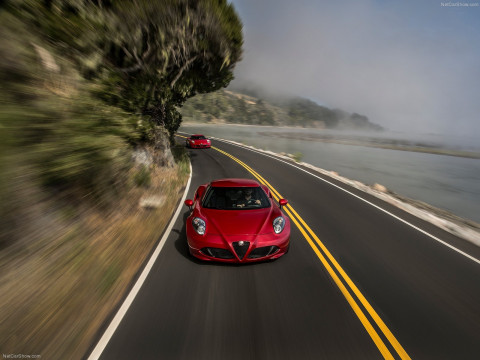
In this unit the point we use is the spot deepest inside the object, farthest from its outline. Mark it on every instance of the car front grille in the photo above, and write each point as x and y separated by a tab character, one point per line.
241	250
262	252
217	253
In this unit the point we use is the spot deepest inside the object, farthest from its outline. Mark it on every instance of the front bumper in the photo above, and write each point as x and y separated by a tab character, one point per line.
200	146
227	250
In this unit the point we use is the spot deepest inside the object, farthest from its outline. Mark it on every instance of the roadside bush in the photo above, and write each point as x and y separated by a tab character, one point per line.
142	177
298	156
180	155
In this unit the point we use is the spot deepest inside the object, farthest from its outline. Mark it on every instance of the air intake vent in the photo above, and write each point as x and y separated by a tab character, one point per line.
262	252
218	253
241	248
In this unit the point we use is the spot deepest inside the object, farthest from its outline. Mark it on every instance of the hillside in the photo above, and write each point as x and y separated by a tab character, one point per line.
89	171
233	107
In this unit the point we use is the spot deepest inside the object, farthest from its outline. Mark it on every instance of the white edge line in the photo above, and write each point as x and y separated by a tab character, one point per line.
358	197
107	335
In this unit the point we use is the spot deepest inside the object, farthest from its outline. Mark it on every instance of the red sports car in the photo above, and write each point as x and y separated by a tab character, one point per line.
198	141
236	221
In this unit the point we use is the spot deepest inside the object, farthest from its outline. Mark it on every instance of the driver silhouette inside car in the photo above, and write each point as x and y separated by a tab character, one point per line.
247	199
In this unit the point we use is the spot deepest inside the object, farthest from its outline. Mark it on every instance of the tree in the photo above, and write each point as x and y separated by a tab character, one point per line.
161	53
146	57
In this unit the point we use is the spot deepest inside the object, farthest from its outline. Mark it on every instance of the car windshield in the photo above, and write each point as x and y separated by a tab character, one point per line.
201	137
236	198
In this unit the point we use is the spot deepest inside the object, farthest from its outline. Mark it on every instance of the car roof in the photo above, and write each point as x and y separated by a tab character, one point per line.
234	183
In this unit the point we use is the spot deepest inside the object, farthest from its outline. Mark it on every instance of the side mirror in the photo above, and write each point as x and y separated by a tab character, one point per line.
189	203
283	202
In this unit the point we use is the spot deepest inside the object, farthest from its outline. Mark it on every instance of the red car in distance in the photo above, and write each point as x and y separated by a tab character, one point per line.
236	221
198	142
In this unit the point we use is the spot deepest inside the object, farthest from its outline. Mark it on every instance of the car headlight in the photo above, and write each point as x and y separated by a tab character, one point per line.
278	225
199	225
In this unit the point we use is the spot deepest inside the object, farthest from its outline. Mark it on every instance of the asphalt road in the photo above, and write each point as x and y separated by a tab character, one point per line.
383	290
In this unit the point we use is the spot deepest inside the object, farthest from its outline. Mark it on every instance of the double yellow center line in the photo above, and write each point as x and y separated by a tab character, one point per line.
322	253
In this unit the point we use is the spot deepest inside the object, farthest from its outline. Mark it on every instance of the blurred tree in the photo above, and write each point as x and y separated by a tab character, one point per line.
162	53
83	80
146	57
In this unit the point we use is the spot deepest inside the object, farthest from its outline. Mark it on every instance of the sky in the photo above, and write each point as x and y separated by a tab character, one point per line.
411	66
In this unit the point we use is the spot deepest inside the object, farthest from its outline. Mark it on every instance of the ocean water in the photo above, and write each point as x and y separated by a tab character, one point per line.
447	182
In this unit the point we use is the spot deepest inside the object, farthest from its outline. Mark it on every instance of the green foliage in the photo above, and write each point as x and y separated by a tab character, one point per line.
229	107
306	112
163	53
146	57
142	177
298	156
240	108
83	80
109	277
180	155
86	146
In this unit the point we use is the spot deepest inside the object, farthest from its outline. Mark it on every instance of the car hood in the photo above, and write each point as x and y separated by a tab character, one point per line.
238	222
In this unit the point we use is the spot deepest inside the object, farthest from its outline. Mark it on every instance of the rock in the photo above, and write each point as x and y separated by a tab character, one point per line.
48	61
142	156
380	188
151	202
163	155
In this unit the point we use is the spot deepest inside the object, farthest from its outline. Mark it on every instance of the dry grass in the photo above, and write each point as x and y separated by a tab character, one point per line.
60	286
